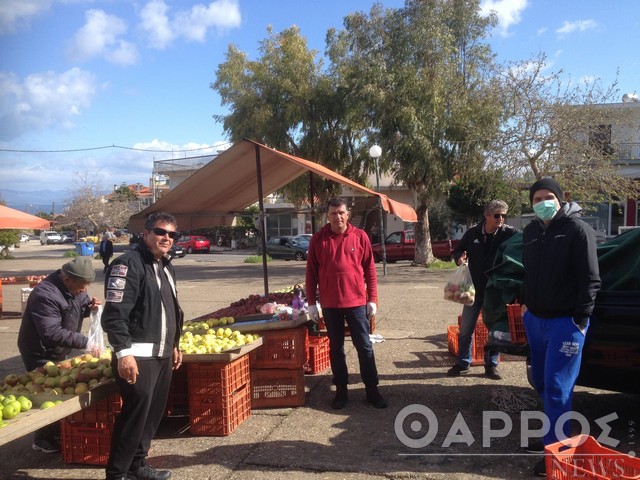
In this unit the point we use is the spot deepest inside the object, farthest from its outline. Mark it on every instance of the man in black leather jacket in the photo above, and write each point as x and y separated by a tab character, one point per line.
143	321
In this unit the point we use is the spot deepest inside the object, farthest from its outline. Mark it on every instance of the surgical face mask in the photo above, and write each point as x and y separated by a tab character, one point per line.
545	210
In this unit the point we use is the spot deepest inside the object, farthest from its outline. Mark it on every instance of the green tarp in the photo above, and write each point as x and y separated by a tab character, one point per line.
619	261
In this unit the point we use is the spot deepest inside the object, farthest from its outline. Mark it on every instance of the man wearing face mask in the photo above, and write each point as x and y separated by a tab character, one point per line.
561	279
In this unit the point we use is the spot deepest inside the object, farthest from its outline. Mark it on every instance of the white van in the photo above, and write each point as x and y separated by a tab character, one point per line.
48	237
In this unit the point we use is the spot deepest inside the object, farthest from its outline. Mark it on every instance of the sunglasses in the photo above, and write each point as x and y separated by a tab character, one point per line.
499	215
161	232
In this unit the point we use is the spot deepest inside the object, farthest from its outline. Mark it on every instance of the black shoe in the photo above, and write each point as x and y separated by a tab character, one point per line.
540	469
491	372
341	398
374	397
457	370
147	472
535	446
46	445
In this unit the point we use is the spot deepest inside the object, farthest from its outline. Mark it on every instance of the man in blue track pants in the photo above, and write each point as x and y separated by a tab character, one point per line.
561	279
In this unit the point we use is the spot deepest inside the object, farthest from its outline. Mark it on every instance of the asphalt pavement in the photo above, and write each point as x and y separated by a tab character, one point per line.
436	427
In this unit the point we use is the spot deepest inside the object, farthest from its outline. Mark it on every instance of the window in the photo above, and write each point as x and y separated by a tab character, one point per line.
600	138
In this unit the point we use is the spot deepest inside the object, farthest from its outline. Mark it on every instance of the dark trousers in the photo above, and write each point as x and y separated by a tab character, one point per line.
143	406
358	323
105	261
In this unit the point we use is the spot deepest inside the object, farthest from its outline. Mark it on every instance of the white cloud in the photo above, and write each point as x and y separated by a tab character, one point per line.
99	36
43	100
192	25
508	12
15	14
577	26
155	23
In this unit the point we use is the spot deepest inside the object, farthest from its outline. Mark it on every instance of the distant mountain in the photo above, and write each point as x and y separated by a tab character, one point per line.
36	201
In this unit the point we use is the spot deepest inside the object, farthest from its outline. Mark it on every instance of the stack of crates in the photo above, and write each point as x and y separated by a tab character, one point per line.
277	369
219	396
480	337
86	435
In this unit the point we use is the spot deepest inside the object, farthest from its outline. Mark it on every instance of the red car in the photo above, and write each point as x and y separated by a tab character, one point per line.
194	243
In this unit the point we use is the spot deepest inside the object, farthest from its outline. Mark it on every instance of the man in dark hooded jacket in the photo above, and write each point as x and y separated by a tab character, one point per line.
561	279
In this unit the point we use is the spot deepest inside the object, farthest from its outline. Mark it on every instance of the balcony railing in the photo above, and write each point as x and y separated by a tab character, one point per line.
628	152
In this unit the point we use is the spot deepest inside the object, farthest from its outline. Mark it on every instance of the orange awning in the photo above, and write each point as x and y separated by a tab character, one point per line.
229	184
17	220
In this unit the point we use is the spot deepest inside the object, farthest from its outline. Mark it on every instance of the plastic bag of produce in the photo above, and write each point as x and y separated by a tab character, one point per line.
95	345
460	287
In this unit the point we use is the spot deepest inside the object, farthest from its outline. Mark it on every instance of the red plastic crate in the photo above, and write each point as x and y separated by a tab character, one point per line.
277	388
282	349
219	415
85	442
516	327
105	411
588	461
480	337
318	358
217	379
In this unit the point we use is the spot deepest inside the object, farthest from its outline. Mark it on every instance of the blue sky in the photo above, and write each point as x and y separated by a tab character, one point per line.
81	74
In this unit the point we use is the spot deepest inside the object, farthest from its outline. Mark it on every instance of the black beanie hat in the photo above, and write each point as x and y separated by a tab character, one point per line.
546	183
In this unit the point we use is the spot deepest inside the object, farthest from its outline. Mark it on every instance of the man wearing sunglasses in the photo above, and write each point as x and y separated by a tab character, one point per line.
143	321
478	248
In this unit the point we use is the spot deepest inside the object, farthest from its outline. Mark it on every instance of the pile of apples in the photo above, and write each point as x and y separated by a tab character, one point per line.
12	406
201	339
68	377
251	304
464	293
202	325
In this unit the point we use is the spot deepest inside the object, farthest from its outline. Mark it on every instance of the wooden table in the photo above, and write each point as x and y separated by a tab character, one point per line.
34	419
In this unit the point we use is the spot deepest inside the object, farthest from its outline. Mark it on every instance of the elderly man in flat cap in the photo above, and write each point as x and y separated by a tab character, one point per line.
51	325
561	279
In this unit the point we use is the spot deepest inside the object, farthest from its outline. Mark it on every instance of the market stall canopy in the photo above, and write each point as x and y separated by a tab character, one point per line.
229	184
17	220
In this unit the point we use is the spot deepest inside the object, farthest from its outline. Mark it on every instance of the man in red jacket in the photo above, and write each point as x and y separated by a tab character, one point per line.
341	272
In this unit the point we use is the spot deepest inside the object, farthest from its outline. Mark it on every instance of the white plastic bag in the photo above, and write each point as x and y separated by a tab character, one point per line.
95	345
460	287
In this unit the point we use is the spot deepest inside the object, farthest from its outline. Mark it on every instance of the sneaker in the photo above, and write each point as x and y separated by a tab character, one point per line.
535	446
457	370
540	469
491	372
374	397
147	472
46	445
341	398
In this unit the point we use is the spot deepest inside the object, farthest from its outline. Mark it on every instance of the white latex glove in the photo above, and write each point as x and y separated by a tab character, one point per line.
372	308
314	314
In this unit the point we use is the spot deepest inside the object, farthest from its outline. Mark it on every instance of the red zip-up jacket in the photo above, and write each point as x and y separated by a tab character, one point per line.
340	269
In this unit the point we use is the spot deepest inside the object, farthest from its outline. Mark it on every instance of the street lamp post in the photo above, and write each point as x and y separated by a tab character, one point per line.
375	152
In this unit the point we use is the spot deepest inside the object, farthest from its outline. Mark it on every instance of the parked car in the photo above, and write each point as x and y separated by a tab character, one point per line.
48	237
402	246
67	237
177	251
194	243
288	248
24	237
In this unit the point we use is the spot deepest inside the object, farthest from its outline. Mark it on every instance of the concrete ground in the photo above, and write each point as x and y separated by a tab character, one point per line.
315	442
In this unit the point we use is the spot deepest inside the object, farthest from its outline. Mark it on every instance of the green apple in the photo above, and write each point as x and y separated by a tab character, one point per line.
47	404
11	410
25	403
